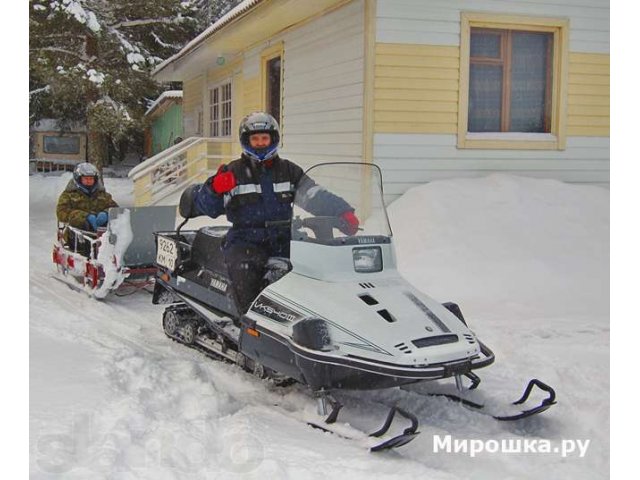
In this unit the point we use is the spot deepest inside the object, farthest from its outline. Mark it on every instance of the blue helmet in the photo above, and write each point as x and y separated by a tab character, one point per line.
86	170
259	122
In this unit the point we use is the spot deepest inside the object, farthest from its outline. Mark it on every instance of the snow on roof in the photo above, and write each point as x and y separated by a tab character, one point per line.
163	96
235	12
52	125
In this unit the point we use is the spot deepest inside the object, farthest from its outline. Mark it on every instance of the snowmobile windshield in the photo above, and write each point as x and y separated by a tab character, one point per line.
340	204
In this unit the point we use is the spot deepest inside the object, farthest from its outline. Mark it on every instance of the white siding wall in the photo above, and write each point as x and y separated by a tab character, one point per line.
411	159
323	86
437	22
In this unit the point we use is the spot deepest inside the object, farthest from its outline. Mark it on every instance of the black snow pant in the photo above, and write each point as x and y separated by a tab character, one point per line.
246	266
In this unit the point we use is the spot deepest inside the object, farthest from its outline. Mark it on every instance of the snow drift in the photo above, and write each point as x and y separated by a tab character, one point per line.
111	396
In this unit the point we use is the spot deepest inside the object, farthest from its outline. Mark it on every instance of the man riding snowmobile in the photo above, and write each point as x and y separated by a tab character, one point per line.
256	192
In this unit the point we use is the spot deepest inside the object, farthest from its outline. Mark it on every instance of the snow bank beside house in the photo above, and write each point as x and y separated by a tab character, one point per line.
528	245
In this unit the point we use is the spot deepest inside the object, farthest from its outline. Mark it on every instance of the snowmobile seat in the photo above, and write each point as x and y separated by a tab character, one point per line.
206	249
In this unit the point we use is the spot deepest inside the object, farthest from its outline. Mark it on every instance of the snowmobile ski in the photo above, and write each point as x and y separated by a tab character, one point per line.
485	409
378	440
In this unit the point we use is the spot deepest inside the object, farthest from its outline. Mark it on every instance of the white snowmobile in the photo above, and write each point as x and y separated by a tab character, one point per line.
335	316
116	257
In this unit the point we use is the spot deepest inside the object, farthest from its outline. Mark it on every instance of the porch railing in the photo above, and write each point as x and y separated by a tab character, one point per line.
159	179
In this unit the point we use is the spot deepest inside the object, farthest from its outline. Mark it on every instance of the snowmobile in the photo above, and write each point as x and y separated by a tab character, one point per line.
335	316
119	256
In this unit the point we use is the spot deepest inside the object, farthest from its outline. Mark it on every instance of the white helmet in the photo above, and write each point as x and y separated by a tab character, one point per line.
86	169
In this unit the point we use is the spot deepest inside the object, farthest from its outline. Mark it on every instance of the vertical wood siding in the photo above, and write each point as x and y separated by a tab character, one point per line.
191	101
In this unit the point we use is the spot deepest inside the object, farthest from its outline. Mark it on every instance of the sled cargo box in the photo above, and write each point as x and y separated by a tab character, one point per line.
144	222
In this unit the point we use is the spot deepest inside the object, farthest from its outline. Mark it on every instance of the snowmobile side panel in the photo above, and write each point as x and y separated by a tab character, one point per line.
214	300
268	351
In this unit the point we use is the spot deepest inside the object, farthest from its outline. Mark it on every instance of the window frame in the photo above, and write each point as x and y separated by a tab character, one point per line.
556	138
267	55
76	137
219	86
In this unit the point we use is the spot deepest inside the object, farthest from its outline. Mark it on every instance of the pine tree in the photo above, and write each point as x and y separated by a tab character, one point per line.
90	61
212	10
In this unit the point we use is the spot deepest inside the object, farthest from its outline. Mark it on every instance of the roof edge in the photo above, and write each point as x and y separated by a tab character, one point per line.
238	11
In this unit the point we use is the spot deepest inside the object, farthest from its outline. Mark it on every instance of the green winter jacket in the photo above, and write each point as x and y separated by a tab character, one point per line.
74	205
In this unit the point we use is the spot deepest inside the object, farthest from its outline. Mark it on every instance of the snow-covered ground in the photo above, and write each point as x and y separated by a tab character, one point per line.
528	261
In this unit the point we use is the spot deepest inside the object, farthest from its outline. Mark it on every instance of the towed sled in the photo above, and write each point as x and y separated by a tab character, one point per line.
336	316
118	256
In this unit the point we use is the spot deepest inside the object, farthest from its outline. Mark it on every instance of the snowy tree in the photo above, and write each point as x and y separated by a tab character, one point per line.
90	61
211	10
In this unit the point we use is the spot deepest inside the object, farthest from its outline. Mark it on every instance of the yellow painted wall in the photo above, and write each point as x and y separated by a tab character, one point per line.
142	191
191	96
416	90
251	94
588	102
242	102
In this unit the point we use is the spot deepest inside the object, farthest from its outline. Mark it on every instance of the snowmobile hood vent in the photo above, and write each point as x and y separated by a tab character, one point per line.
384	313
367	285
403	348
368	299
436	340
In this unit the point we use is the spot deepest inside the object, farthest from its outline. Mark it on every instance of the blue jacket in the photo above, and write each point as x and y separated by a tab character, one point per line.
264	193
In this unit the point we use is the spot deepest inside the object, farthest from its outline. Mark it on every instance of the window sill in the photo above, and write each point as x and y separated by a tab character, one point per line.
510	140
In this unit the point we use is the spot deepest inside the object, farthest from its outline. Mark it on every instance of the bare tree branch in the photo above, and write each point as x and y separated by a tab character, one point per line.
46	88
61	50
146	21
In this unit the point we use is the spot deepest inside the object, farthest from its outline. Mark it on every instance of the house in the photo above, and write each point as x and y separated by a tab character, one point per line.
424	89
51	149
165	122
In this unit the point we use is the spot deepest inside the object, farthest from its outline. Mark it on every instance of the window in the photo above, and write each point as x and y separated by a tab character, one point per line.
200	121
509	81
512	84
274	85
220	111
61	145
272	77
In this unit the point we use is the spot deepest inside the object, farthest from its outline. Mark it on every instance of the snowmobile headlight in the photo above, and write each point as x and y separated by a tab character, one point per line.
367	259
312	333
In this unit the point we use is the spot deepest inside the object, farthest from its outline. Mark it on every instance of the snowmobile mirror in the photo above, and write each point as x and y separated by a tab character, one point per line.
186	206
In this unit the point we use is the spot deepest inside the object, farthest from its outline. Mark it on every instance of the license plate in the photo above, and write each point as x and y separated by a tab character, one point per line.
167	253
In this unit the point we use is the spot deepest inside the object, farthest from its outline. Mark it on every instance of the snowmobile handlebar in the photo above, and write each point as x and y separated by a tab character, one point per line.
322	226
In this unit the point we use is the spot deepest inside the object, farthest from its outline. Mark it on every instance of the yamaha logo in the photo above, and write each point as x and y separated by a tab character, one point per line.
218	285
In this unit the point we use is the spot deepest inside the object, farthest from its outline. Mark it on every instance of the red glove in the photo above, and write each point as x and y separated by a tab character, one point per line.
351	223
223	181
